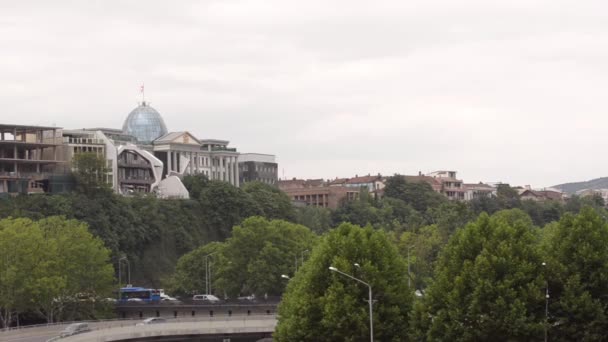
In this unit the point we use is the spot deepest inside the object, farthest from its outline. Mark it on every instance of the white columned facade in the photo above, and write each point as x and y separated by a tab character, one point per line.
224	174
168	162
235	174
236	168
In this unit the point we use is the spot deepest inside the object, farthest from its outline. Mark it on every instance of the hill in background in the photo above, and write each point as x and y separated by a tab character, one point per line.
571	188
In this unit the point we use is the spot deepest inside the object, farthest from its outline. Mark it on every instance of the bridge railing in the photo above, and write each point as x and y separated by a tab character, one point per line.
114	323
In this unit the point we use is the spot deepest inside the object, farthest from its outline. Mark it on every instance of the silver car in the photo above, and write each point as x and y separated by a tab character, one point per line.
152	320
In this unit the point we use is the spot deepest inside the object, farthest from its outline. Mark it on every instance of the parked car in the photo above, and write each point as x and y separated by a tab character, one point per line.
152	320
205	298
75	328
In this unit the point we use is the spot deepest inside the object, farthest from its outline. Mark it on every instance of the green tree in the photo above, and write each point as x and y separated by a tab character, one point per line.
360	211
508	198
225	206
249	262
195	184
449	216
398	216
49	263
258	252
423	247
272	202
90	172
488	284
78	266
577	265
190	275
420	195
22	246
318	219
320	305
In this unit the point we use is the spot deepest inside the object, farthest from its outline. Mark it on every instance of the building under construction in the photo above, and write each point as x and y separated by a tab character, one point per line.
32	160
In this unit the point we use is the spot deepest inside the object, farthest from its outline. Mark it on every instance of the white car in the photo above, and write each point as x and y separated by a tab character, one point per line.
205	298
250	298
152	320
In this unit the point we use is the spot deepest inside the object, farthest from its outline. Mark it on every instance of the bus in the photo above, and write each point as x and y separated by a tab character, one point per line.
139	294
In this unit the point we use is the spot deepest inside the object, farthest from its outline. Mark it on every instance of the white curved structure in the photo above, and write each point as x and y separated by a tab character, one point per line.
138	170
172	187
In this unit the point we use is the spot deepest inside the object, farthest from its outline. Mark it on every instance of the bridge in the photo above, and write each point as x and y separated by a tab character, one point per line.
234	328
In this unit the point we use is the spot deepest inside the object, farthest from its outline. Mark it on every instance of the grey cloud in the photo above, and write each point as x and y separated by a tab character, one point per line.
510	91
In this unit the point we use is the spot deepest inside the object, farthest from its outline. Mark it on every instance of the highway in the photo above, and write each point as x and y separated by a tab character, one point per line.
116	330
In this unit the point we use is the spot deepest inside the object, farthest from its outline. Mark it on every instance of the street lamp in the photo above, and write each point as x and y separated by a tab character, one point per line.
284	276
208	273
546	300
124	258
371	320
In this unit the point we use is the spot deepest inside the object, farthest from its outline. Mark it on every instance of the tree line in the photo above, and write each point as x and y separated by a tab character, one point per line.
255	235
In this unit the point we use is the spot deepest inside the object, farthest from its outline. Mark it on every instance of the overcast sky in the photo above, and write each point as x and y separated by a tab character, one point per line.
511	91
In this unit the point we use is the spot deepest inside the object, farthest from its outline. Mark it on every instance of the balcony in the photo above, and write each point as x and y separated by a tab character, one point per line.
137	164
221	148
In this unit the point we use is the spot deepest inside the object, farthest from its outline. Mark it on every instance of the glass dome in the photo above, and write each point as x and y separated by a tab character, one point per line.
145	124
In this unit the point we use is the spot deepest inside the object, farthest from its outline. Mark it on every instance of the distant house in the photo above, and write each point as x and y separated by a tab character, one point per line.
443	182
372	183
316	192
480	190
540	195
594	192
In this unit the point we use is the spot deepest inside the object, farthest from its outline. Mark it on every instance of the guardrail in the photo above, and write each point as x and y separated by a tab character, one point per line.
131	321
23	327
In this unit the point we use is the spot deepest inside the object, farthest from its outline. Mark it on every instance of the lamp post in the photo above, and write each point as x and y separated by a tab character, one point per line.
124	258
208	273
284	276
546	300
371	310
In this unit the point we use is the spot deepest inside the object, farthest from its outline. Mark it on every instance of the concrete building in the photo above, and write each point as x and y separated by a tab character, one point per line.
316	192
139	157
32	159
91	141
257	167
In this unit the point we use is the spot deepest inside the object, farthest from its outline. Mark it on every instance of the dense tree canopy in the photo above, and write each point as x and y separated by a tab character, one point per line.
419	195
577	261
488	284
250	262
321	305
49	264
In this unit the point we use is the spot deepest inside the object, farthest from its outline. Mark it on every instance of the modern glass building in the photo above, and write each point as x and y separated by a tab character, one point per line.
145	124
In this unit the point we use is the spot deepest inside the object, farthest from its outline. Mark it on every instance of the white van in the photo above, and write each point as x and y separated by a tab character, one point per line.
206	298
75	328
